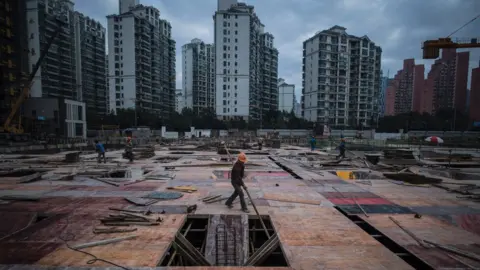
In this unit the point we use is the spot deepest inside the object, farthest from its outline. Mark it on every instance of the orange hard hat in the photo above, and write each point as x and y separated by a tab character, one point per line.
242	157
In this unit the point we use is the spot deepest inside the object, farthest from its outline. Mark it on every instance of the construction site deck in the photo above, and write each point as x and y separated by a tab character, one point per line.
166	210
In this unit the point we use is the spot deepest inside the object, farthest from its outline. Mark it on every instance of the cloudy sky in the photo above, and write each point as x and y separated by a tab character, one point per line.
398	26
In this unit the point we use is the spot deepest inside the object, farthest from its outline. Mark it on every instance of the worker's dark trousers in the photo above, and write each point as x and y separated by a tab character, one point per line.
238	192
342	154
100	157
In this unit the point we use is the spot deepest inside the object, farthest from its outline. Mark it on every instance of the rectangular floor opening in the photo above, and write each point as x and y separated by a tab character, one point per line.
397	249
225	240
257	237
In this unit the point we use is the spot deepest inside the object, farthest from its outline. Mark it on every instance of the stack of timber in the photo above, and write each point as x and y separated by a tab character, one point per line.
127	219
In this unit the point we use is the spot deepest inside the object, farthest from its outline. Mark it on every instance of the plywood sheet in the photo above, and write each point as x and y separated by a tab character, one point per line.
428	228
344	257
145	250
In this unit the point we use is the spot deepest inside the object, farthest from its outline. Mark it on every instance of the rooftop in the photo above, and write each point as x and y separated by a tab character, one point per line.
320	213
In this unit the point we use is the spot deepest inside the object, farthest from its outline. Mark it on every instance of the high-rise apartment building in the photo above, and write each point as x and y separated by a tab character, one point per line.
141	60
246	63
179	100
286	96
341	78
90	63
390	97
409	86
57	77
198	75
13	53
384	82
268	74
474	110
446	84
55	104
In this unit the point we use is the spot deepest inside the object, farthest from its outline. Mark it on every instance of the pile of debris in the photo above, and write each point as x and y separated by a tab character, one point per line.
144	152
127	219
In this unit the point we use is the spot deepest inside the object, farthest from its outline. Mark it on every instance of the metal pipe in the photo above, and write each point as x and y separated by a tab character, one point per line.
175	252
258	214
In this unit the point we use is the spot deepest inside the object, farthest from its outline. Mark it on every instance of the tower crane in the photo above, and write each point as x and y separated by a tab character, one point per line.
431	48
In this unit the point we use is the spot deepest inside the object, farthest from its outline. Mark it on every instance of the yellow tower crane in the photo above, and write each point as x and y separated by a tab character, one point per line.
431	48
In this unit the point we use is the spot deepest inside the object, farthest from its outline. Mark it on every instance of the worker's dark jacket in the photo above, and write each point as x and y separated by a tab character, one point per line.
238	171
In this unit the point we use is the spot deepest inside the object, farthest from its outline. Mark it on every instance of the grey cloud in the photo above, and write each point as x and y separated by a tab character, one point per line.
399	26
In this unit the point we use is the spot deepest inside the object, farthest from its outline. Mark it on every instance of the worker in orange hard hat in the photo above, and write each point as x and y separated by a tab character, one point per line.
238	172
129	148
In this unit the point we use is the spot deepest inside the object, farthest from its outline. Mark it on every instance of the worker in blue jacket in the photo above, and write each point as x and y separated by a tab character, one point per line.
101	151
313	143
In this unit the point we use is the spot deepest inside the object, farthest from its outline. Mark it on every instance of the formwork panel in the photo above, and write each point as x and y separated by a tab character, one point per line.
427	227
361	201
344	257
334	195
439	259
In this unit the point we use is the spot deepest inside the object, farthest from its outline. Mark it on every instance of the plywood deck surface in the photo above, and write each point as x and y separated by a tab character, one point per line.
313	233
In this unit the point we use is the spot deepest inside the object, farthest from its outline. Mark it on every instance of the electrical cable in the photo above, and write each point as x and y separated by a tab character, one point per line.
71	236
469	22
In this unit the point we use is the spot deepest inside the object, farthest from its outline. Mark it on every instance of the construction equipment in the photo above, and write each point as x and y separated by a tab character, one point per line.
431	48
17	129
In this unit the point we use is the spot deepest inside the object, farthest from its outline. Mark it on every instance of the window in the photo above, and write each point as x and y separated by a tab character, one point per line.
224	110
78	129
235	78
80	113
236	48
236	24
236	32
236	40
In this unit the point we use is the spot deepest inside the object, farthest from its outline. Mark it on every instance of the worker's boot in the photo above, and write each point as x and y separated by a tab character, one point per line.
246	210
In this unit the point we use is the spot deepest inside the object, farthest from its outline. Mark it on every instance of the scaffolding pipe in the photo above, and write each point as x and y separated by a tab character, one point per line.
175	252
256	211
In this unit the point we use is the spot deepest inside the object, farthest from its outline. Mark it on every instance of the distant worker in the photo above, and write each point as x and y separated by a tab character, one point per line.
129	149
101	151
238	172
313	143
341	148
260	143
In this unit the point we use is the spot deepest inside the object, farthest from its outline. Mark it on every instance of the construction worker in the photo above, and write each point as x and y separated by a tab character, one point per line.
101	151
313	143
341	148
129	149
238	172
260	143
